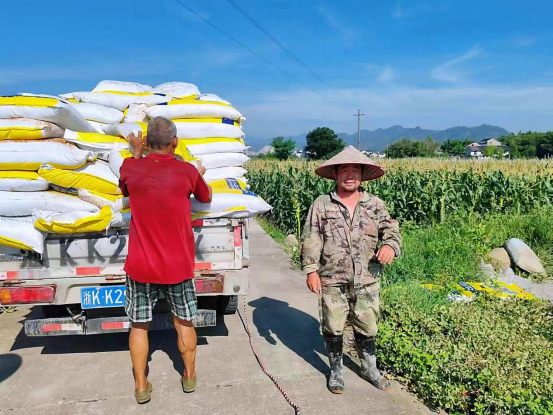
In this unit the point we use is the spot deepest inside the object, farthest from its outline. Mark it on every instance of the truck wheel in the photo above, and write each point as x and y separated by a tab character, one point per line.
228	304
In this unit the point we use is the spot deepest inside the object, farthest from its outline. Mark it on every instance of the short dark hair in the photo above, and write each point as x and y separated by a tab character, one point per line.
161	133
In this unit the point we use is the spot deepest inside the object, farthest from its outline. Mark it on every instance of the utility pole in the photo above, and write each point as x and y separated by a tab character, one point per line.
358	115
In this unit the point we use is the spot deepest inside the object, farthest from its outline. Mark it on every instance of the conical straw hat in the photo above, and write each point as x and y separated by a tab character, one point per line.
350	155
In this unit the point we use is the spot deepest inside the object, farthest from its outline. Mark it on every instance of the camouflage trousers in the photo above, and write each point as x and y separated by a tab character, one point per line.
340	303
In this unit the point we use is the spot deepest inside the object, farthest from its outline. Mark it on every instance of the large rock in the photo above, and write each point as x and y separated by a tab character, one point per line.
500	259
291	241
523	256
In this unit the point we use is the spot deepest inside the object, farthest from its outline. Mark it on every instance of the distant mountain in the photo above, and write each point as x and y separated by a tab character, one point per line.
377	140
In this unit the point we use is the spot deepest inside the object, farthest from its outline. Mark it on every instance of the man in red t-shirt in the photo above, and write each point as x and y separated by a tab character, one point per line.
161	245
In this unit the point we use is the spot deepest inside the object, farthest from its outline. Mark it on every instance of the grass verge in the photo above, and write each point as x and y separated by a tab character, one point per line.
280	238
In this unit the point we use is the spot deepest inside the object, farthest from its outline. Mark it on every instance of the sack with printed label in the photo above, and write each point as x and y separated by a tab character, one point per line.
72	222
225	173
28	129
190	108
230	200
22	181
116	157
93	141
29	155
202	146
208	127
21	235
121	86
97	177
44	108
98	113
178	90
120	100
23	203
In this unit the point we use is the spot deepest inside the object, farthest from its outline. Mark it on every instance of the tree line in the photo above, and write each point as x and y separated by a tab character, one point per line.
323	143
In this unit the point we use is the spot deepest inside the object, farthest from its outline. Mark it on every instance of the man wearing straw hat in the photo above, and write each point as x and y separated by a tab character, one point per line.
347	237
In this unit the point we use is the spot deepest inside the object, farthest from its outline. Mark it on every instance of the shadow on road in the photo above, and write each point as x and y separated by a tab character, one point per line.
297	330
9	364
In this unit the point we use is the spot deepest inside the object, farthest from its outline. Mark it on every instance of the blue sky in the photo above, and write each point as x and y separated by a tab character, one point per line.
427	63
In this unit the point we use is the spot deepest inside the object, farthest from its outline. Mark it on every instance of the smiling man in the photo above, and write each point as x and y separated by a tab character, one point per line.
342	259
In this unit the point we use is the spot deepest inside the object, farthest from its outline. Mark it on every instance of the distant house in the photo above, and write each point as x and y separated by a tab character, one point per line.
298	153
478	149
374	154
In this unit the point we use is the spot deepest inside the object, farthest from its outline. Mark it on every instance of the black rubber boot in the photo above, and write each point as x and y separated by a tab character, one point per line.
367	356
334	345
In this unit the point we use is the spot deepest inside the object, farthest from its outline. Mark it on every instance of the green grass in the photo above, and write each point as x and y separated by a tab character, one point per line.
279	237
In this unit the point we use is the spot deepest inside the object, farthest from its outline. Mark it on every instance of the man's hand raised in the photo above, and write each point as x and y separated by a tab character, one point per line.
314	282
386	255
200	168
137	144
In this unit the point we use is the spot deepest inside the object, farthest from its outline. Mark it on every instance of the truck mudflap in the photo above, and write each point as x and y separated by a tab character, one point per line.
66	326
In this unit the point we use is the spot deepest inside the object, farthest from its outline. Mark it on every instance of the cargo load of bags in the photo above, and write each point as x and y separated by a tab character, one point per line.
60	157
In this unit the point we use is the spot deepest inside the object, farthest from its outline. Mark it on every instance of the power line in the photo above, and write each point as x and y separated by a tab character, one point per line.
284	48
253	52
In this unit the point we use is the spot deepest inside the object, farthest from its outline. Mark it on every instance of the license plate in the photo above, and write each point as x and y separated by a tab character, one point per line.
102	297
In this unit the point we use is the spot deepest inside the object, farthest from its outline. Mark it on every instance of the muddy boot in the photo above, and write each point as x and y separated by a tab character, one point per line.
334	347
367	356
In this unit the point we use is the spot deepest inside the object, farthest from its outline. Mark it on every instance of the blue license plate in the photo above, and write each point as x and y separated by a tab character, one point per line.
101	297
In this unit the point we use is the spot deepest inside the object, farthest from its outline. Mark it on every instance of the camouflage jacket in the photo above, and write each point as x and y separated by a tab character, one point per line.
342	249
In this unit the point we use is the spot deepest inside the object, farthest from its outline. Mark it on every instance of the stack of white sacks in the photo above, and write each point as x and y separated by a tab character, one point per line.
60	157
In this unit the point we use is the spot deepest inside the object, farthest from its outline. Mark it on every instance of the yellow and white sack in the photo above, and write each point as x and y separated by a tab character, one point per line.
22	181
120	100
208	127
116	157
203	146
21	234
230	200
121	86
190	108
28	129
178	90
225	173
45	108
93	141
99	126
219	160
98	113
126	128
213	97
97	177
23	203
29	155
135	113
117	203
72	222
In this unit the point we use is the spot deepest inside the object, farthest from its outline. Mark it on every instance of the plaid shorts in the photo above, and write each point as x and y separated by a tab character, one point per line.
140	300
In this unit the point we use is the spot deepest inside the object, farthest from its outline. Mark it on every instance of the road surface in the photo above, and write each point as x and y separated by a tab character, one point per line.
92	374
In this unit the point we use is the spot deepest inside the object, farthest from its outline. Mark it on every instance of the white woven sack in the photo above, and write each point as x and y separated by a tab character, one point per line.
230	205
216	146
119	101
135	113
224	173
178	89
213	98
15	184
224	128
26	128
45	108
193	109
29	155
124	129
99	113
20	235
99	126
23	203
122	86
218	160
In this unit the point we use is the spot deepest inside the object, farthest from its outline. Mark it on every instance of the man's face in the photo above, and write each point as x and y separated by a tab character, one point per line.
349	177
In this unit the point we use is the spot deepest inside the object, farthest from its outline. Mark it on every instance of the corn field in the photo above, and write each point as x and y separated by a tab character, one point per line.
414	190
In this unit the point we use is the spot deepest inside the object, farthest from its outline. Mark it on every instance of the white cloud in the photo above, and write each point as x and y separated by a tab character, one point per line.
451	71
330	15
523	41
386	75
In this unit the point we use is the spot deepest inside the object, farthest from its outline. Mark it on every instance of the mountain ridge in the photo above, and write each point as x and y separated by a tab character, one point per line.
377	140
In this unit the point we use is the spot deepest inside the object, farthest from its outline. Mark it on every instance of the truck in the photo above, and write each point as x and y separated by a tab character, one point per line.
79	281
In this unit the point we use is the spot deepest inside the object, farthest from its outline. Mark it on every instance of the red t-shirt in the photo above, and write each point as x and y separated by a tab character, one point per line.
161	242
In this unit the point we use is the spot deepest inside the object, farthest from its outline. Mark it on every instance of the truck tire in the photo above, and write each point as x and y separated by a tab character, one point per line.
228	304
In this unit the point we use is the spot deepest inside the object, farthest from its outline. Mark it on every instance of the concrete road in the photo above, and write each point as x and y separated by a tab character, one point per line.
92	374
